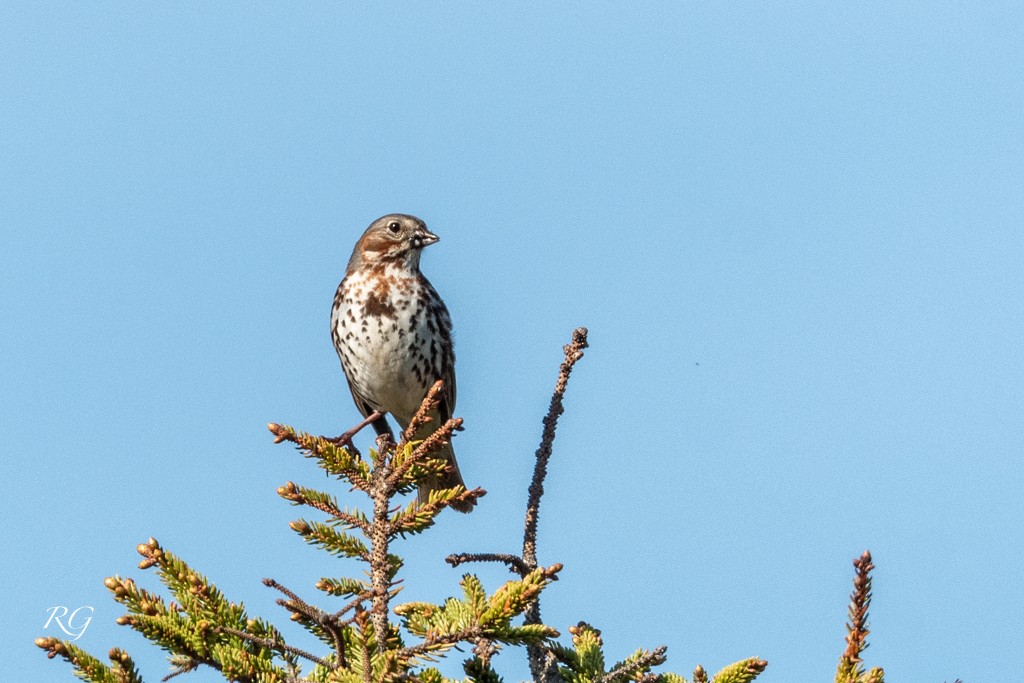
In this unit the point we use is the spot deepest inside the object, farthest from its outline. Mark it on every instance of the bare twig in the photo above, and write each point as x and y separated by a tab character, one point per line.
354	603
573	352
542	662
182	668
328	622
271	583
543	665
514	562
471	633
273	645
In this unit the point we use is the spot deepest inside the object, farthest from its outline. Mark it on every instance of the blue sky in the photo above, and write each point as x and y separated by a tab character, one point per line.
794	231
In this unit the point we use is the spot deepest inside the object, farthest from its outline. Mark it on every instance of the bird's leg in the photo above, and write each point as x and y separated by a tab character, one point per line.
346	438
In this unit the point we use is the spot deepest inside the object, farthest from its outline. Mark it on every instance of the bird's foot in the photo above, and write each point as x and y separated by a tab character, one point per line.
346	438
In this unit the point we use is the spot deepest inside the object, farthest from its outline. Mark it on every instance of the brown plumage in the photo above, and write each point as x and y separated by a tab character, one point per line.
393	333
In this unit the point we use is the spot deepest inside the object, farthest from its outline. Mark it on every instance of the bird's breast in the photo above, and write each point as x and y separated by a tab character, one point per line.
385	333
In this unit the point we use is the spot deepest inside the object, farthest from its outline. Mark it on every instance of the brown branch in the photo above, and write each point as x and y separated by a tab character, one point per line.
573	352
543	665
542	662
354	603
514	562
380	535
192	666
485	649
271	583
180	671
850	669
860	599
652	658
467	634
273	645
360	620
329	623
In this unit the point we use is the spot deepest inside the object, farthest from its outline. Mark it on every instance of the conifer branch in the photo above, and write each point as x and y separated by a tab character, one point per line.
191	666
438	438
542	662
381	491
641	663
860	600
367	660
301	608
573	352
484	649
421	452
271	583
440	640
334	459
322	502
355	603
274	645
88	667
330	624
514	562
205	628
850	669
742	671
430	402
543	665
334	542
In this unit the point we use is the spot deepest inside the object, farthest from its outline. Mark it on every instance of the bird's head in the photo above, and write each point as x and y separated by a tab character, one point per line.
395	238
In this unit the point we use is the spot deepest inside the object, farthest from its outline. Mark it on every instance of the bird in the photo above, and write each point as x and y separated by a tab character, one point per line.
393	335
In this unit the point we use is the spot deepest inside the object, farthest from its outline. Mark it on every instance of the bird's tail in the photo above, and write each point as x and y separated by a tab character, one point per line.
452	477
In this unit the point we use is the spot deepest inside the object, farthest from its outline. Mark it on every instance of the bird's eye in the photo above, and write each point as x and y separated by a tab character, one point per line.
394	227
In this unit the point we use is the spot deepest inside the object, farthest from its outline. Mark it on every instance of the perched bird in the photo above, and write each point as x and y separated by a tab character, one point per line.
393	334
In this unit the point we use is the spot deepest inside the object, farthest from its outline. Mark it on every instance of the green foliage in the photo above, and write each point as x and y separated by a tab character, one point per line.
199	626
478	616
585	661
740	672
88	668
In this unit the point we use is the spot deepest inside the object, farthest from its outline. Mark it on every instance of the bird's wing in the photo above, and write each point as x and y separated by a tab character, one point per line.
363	405
447	406
444	326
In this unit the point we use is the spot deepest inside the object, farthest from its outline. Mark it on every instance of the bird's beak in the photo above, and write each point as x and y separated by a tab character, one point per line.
427	237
